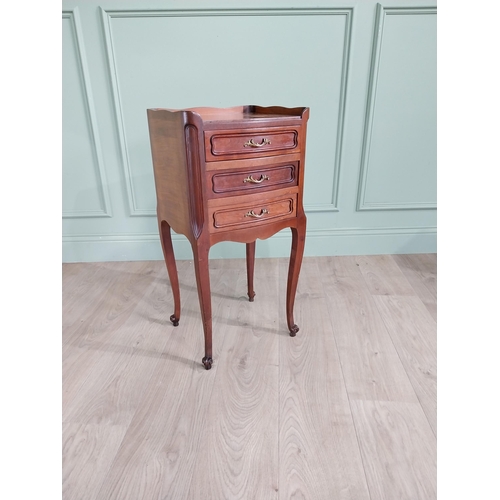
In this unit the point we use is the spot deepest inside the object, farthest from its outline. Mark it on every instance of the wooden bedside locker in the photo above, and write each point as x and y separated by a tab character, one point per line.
234	174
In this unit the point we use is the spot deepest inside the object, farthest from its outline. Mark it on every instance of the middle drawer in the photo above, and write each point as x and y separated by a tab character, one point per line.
230	183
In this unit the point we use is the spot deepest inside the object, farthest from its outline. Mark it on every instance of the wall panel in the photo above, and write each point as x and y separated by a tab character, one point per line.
253	58
84	190
400	150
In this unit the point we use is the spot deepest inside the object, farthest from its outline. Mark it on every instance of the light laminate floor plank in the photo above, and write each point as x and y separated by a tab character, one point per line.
319	454
110	330
370	363
88	450
413	333
158	453
238	455
100	398
383	276
78	281
105	303
398	448
420	271
111	387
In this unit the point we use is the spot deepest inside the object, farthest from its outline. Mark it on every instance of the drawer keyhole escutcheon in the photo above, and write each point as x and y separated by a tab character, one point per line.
253	144
256	181
264	211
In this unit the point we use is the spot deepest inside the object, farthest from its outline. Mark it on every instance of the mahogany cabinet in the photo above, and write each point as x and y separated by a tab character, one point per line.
234	174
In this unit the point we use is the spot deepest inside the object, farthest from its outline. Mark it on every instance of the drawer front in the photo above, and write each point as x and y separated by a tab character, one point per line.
220	145
249	180
259	212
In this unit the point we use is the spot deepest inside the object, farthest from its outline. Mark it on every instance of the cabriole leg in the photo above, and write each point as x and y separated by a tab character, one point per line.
298	243
250	267
168	253
200	253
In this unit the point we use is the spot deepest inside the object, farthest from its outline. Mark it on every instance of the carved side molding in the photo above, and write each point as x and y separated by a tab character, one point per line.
194	179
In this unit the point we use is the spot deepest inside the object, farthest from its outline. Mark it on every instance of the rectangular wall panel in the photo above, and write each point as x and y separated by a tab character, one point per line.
399	164
84	193
250	57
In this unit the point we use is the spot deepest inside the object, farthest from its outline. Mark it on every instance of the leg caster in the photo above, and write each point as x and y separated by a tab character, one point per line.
174	320
293	330
251	296
207	362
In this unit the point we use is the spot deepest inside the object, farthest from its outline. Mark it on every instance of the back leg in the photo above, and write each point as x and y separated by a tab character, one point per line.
250	267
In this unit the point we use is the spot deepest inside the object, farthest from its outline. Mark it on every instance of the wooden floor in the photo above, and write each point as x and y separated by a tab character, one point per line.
345	410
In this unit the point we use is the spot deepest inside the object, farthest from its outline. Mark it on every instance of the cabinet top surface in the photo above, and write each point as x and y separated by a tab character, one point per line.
243	113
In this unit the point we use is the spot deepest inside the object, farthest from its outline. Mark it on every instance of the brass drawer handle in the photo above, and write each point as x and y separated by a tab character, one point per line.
256	181
253	144
264	211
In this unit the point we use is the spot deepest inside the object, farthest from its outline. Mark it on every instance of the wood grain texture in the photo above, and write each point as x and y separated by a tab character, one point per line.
88	450
398	448
106	288
156	459
167	137
342	266
420	271
413	333
82	280
383	276
102	323
110	389
238	455
319	455
371	365
102	391
345	409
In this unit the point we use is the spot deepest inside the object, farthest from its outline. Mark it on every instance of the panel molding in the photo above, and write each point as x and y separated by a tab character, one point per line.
361	204
108	14
320	242
102	186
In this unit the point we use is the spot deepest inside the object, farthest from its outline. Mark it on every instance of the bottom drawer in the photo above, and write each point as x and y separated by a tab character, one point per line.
253	214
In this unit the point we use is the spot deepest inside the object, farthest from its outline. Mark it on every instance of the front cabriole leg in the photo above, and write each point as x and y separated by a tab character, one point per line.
298	243
200	253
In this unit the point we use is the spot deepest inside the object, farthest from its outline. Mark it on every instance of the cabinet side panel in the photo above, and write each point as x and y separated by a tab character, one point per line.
166	131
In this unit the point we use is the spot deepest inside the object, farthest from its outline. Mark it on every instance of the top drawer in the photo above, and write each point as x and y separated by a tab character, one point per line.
250	143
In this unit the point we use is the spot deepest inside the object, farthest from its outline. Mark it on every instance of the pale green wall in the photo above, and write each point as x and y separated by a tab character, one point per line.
366	70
